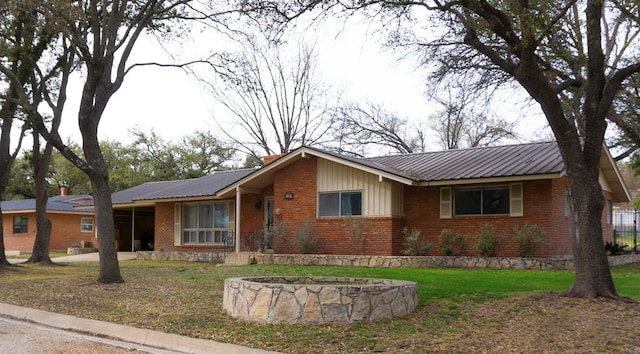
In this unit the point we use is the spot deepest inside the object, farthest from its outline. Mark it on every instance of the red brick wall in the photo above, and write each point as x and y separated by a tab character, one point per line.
541	207
382	234
64	234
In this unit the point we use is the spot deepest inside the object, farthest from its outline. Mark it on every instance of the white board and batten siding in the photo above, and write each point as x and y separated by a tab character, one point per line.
380	198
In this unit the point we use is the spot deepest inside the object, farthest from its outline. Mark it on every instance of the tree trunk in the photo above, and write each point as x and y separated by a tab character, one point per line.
593	276
3	257
109	267
41	161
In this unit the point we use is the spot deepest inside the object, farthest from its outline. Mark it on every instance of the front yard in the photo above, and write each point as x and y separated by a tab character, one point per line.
499	311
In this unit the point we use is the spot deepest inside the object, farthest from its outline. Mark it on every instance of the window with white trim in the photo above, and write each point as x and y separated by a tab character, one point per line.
20	224
492	200
86	225
205	223
340	203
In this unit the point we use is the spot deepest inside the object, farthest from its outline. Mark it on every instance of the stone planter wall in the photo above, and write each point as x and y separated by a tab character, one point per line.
389	261
316	300
213	257
433	262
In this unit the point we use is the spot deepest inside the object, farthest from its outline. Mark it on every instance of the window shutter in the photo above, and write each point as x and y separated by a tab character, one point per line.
516	207
177	224
445	202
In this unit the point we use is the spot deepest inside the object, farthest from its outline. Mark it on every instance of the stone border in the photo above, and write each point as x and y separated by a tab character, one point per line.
211	257
565	263
318	300
434	262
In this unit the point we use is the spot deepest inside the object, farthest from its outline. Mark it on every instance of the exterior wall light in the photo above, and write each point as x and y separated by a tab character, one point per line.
288	195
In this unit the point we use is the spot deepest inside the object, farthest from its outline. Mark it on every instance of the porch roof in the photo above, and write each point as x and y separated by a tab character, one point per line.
150	192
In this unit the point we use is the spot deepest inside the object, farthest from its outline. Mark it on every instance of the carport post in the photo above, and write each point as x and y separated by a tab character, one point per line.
133	229
238	200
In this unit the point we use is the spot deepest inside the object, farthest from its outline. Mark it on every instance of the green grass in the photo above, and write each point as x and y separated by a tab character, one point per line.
186	299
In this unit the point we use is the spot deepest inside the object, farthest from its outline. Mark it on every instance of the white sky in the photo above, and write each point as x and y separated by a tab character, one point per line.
174	104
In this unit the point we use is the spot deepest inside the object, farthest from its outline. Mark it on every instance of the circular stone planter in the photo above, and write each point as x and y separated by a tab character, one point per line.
288	300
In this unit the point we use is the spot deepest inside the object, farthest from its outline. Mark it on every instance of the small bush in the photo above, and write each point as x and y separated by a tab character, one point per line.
307	237
529	238
412	244
452	244
488	240
614	249
358	229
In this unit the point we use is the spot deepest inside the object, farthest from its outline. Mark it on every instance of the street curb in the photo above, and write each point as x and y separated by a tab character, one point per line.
125	333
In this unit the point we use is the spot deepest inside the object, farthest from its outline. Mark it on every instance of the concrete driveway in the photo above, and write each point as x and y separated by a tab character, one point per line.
87	257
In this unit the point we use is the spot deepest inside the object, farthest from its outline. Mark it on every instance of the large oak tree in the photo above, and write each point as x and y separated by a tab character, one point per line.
572	57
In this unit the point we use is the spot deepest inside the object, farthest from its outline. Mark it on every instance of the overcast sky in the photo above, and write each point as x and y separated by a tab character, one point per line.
350	60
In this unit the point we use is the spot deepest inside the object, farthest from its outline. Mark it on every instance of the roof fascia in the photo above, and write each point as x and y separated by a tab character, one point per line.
615	169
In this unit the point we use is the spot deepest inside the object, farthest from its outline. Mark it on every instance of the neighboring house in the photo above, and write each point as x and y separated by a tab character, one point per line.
455	189
69	225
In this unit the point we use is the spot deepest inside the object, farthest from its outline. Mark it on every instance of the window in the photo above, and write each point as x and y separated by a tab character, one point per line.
340	204
481	201
86	224
607	210
20	224
205	223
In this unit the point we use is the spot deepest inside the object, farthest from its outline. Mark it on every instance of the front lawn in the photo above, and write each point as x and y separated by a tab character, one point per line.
498	311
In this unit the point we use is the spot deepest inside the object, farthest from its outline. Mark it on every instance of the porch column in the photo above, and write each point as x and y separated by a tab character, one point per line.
133	229
238	200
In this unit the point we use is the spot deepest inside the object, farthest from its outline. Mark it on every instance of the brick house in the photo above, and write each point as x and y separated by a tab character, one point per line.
457	190
70	225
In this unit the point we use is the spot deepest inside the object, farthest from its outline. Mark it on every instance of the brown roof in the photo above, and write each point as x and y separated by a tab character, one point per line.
486	162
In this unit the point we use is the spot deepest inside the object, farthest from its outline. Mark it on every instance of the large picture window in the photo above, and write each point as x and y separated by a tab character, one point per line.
340	203
20	224
205	223
481	201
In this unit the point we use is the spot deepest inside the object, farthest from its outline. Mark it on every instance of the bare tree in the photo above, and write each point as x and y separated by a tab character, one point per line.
358	128
461	124
572	58
274	98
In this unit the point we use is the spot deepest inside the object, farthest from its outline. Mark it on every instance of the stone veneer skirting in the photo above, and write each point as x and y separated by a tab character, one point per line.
433	262
389	261
317	300
212	257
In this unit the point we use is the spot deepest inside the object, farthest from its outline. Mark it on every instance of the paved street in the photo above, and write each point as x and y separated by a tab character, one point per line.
24	337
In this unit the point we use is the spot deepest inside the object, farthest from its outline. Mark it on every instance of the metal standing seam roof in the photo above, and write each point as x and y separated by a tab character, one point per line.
65	203
197	187
485	162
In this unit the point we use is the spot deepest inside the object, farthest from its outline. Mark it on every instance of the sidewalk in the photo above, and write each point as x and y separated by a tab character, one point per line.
87	257
129	334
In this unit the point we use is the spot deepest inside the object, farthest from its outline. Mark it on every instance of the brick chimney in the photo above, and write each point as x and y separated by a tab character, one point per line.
270	158
64	190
